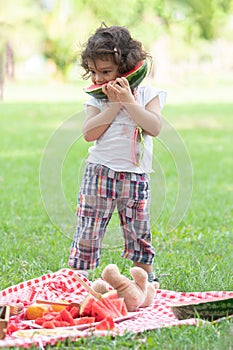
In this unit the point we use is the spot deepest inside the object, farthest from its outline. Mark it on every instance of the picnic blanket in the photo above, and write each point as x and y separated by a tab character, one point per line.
63	285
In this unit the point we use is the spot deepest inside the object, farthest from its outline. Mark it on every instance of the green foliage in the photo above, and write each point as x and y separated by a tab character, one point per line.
127	13
225	5
204	14
56	28
19	23
60	52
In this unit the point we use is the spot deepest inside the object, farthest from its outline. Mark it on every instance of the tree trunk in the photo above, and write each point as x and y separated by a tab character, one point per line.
1	75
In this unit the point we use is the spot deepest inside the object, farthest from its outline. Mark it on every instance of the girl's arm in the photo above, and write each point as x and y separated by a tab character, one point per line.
97	122
149	118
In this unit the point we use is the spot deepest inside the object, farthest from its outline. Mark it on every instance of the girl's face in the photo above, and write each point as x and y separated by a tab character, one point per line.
102	71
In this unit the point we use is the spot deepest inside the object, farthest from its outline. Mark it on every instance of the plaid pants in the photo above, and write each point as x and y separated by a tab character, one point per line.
102	191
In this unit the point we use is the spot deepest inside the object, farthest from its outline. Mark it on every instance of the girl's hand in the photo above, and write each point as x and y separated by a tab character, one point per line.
119	91
123	90
110	92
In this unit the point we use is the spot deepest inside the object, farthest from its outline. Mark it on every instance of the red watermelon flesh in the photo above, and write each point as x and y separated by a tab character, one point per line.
107	299
66	316
105	325
100	311
120	305
84	320
109	305
48	324
124	310
86	306
112	294
61	323
74	311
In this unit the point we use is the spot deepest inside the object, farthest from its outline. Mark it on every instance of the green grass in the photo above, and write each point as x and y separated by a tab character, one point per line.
197	253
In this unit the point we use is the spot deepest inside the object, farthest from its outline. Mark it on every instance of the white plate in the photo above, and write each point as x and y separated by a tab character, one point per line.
43	332
32	324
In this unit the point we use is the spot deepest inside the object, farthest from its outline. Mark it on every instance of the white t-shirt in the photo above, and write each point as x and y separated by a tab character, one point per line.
115	148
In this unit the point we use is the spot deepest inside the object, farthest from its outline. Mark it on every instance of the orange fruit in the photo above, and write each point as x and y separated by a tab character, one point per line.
58	308
36	310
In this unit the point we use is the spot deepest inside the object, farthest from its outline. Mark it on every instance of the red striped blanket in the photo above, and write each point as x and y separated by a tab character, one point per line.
63	285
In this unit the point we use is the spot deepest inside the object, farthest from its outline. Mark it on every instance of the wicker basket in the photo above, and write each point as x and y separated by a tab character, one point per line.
4	318
210	310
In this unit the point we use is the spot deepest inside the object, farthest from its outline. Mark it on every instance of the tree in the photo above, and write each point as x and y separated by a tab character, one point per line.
201	14
18	25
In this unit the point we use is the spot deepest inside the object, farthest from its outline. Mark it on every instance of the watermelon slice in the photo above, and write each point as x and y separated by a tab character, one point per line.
117	304
66	316
74	311
48	324
39	321
86	306
134	77
84	320
120	305
124	310
61	323
109	305
100	311
112	294
105	325
207	310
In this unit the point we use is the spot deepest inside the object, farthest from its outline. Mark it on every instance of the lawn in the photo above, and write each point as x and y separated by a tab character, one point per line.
196	251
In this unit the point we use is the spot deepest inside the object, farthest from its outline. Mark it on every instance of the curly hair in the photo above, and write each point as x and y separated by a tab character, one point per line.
114	41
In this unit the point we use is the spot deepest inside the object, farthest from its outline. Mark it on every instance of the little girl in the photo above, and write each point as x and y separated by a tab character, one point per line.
122	126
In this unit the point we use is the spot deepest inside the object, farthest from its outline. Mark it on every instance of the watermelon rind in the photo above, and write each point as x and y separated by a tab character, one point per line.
134	77
210	310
